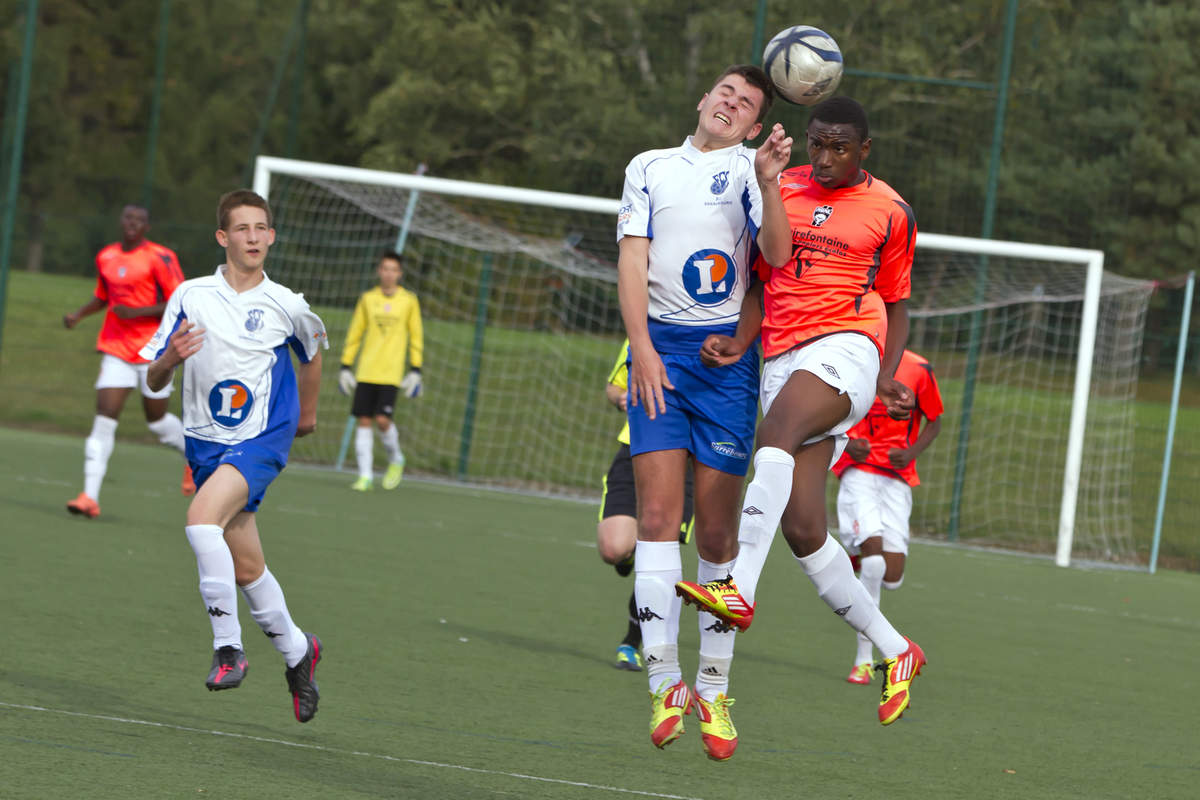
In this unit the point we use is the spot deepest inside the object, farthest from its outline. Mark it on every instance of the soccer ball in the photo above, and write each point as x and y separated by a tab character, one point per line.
804	63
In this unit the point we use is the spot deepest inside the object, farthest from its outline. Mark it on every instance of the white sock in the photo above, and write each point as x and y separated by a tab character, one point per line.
169	430
657	568
214	563
96	450
716	640
831	573
766	497
391	445
270	611
870	573
363	451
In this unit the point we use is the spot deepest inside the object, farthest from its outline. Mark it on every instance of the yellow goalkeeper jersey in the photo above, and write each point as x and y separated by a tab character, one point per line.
387	329
620	377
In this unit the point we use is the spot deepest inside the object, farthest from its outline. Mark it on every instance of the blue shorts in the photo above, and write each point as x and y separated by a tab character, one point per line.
259	460
711	412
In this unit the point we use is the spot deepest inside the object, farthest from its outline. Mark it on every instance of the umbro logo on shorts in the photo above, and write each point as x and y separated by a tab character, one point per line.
751	510
843	611
831	371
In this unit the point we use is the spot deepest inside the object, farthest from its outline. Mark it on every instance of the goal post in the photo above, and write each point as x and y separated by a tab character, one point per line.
1036	349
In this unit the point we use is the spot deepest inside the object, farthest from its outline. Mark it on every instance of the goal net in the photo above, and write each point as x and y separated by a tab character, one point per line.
1036	350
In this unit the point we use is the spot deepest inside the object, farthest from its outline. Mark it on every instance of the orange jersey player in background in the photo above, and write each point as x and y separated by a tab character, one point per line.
134	279
878	471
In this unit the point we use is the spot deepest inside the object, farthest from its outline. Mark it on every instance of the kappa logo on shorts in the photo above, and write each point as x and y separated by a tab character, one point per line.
831	371
230	402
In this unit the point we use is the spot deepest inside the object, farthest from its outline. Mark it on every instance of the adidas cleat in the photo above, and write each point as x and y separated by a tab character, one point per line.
667	708
229	668
717	733
861	674
302	682
84	506
628	658
395	472
898	673
720	598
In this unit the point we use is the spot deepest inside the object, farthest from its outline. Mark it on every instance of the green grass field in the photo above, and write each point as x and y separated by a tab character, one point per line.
468	640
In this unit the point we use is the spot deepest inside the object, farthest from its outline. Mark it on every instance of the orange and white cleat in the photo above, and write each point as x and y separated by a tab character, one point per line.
667	708
720	598
861	674
84	506
188	484
717	733
898	673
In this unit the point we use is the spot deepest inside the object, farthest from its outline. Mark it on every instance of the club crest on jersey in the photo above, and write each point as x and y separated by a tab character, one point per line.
709	276
230	402
821	214
720	183
254	319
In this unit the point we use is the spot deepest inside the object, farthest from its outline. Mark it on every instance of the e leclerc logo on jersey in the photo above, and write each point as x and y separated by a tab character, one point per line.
709	276
230	402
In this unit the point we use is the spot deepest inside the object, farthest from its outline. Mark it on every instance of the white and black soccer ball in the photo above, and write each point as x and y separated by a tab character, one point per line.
804	63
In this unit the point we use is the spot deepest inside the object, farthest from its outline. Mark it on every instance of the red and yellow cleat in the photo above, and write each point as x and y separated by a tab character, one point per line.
898	673
861	674
667	707
188	485
717	733
84	506
719	598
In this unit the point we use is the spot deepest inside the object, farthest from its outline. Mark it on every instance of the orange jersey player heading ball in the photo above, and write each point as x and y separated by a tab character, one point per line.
834	322
134	278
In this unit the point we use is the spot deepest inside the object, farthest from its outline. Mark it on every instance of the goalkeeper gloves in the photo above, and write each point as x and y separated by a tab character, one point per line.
411	385
346	381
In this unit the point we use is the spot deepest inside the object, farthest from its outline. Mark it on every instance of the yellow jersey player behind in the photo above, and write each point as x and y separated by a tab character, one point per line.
386	337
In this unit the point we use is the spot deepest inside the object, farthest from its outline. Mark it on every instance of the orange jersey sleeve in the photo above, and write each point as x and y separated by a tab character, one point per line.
852	252
144	276
885	433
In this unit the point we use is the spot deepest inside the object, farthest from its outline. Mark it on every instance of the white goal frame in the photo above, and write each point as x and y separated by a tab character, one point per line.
265	166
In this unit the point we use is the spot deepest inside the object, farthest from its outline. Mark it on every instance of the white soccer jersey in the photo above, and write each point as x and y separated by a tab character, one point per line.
240	383
701	212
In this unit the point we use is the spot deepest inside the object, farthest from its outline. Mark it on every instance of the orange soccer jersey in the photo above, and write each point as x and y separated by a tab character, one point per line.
885	433
852	251
143	276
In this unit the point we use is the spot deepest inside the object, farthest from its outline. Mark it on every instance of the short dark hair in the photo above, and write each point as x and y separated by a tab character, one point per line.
393	255
756	78
842	110
236	199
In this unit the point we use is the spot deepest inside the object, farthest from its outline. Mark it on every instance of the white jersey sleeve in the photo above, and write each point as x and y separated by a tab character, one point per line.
240	384
701	212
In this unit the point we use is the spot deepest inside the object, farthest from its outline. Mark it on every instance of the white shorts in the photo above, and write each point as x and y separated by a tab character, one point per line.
870	504
849	362
117	373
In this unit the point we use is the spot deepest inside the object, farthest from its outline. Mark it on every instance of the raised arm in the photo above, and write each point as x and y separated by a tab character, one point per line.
184	343
775	236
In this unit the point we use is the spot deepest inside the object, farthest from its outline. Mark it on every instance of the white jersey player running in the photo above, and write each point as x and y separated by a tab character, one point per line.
242	408
689	216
